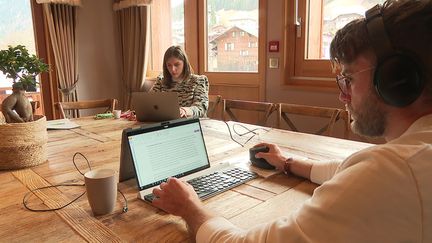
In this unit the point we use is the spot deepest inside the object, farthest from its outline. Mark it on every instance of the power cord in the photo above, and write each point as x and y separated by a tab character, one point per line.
28	194
242	134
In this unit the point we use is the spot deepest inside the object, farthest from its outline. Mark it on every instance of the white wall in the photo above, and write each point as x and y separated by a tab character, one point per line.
99	69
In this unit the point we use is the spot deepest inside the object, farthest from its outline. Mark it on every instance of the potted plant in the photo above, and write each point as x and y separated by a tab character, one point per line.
23	141
20	66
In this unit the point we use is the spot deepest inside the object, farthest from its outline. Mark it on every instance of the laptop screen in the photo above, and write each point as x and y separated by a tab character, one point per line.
169	149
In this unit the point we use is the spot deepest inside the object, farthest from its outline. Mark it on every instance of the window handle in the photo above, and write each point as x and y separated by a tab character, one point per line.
297	19
298	28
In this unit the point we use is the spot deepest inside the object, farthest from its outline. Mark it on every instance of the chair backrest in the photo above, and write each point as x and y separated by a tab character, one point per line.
109	104
264	109
35	105
333	115
214	108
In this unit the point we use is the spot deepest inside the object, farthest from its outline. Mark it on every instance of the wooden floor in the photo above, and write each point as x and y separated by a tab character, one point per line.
258	201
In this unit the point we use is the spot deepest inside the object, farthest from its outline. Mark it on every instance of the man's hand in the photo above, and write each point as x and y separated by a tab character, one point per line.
299	167
273	156
179	198
176	197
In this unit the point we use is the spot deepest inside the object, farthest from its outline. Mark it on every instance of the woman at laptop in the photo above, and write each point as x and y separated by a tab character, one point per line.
178	77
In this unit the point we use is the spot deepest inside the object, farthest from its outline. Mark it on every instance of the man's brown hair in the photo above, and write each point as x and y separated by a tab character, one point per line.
408	25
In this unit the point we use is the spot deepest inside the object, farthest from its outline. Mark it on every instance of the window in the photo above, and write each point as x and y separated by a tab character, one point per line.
167	15
208	27
244	53
231	25
229	46
16	28
253	44
315	27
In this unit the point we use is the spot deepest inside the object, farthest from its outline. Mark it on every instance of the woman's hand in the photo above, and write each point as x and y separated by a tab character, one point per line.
273	156
183	112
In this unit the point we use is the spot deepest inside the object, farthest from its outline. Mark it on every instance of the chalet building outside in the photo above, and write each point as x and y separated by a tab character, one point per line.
235	49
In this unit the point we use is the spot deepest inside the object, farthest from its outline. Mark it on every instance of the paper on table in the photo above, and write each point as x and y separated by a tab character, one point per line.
61	124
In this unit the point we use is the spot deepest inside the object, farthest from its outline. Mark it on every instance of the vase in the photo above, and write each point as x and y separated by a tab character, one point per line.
23	144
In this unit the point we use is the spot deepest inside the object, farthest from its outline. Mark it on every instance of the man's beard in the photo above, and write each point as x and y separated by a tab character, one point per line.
369	119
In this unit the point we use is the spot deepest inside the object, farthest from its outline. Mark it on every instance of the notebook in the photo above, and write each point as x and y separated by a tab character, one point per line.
175	149
61	124
155	106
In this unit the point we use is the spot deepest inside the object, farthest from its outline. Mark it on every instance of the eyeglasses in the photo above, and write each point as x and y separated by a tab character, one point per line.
344	81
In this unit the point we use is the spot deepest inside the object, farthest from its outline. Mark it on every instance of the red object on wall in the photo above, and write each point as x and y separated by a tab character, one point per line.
273	46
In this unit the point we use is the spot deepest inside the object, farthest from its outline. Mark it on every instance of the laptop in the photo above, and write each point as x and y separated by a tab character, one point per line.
175	149
155	106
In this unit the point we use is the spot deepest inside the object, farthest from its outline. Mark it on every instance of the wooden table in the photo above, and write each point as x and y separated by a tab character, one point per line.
258	201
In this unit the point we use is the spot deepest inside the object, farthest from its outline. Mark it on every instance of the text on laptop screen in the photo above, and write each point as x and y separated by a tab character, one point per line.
173	151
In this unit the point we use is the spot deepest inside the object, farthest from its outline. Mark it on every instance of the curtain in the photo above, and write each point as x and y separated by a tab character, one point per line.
133	17
67	2
61	20
122	4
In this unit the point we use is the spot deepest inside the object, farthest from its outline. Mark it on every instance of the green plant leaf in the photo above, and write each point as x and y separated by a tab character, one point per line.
20	66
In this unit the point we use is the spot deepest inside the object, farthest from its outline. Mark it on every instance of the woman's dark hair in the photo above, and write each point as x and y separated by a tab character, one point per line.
177	52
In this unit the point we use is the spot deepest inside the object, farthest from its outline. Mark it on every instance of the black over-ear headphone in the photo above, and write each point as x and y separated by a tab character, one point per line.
398	77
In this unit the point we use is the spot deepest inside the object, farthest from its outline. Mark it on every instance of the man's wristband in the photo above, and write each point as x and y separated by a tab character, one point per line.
287	166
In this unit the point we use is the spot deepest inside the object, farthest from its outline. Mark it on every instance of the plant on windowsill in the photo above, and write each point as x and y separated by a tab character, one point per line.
20	66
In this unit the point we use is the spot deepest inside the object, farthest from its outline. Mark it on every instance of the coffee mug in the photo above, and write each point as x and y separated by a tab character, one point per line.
117	114
101	186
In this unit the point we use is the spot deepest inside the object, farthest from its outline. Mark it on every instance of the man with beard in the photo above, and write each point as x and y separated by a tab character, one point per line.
380	194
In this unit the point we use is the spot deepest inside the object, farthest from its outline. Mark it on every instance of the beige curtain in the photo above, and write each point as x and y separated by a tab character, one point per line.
134	27
68	2
61	20
122	4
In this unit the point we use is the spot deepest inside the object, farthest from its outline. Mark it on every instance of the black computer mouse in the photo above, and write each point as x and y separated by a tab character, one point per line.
260	163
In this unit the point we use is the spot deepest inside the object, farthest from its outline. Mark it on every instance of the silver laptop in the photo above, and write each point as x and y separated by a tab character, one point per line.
155	106
173	149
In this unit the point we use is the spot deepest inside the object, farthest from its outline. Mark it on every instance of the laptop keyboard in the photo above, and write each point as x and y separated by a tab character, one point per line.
207	186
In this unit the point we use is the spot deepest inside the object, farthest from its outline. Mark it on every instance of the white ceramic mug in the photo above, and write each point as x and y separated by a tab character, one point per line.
117	114
101	186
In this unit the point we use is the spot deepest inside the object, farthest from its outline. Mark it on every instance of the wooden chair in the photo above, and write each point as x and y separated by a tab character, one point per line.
214	109
35	105
332	114
263	108
109	104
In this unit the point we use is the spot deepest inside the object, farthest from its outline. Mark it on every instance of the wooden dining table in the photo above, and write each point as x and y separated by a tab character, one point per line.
261	200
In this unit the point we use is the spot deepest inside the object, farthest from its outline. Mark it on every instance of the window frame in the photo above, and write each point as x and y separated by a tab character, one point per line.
195	35
246	79
299	71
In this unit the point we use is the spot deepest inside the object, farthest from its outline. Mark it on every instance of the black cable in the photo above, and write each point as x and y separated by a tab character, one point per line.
247	129
125	207
26	196
76	167
239	134
242	134
229	130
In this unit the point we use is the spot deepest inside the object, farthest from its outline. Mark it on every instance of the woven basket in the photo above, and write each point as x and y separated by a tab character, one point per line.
23	144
